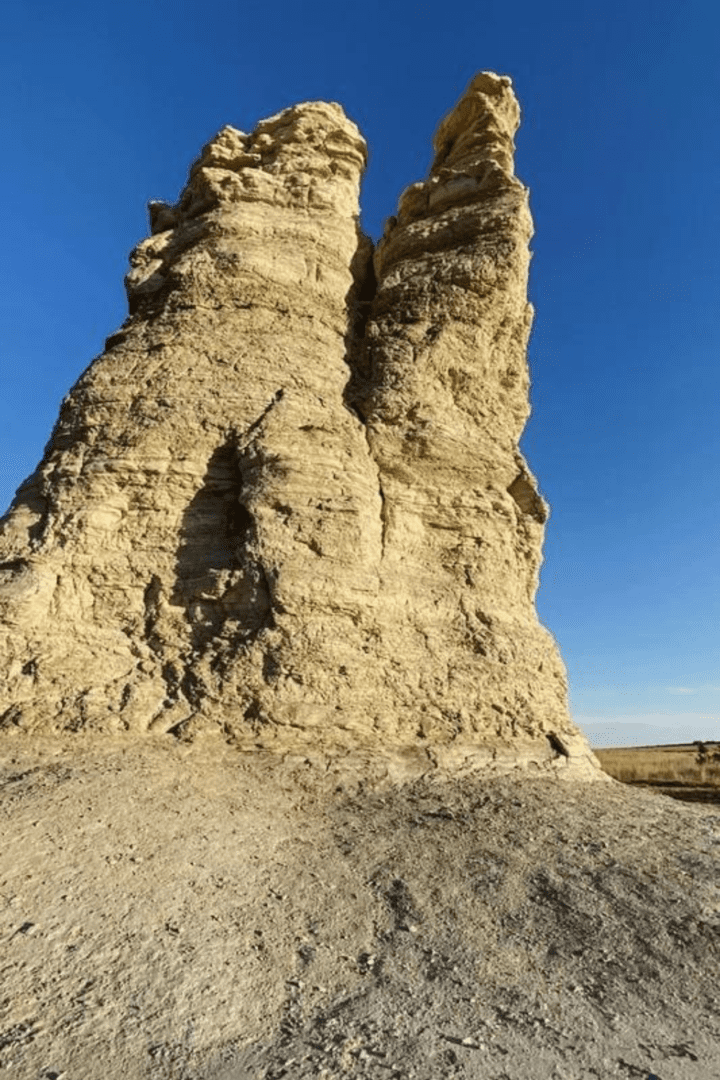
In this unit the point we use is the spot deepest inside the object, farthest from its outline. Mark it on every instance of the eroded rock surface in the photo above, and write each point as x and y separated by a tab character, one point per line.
445	403
286	505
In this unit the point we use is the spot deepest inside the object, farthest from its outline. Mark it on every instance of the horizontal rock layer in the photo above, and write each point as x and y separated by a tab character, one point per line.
287	503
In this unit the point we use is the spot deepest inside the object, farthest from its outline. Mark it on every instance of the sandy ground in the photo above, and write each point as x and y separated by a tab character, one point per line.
191	913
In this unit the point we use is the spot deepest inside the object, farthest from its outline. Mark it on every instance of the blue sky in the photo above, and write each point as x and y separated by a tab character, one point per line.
105	105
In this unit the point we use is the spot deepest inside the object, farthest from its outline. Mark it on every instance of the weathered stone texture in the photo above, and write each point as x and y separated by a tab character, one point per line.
445	407
260	516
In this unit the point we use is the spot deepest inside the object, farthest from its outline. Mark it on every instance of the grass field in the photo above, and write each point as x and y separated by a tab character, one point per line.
688	771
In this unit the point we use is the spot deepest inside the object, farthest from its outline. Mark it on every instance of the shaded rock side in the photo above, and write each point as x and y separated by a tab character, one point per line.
257	515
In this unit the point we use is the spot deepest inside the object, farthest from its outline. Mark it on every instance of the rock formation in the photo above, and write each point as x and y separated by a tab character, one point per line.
287	503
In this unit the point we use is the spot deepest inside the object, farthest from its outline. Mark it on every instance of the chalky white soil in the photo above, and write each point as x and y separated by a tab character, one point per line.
193	913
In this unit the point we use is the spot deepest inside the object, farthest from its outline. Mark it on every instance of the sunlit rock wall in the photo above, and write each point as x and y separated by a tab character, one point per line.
287	504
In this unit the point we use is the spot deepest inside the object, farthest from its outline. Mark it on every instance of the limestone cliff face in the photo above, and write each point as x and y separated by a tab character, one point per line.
262	512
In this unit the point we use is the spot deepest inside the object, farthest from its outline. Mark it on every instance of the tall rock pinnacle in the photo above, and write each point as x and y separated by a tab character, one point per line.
287	503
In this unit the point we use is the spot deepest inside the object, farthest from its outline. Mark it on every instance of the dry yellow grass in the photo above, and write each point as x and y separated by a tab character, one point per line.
677	764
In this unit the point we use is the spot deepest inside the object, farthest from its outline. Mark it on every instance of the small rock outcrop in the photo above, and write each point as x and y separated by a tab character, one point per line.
287	503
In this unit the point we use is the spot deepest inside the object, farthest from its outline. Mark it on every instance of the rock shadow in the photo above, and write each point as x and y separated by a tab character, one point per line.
218	575
358	305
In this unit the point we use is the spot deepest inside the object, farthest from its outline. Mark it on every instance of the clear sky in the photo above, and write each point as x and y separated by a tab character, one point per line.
106	104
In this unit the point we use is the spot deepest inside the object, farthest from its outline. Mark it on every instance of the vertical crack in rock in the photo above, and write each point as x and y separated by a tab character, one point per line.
359	303
384	522
287	503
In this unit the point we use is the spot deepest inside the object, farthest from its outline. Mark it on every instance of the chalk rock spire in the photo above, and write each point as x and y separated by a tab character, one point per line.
445	402
287	503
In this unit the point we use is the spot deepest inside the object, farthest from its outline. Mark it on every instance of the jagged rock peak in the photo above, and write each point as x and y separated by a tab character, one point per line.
287	505
313	141
480	128
474	149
